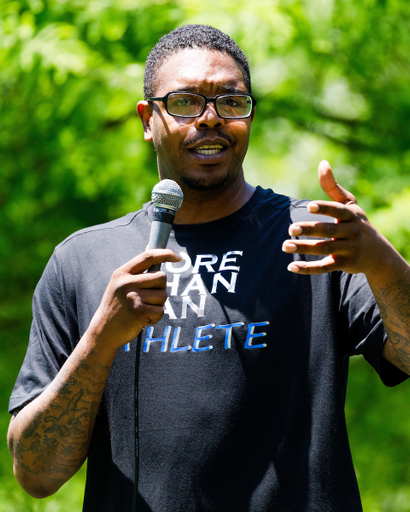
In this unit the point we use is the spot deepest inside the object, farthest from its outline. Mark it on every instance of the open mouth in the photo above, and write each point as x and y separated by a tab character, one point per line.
208	150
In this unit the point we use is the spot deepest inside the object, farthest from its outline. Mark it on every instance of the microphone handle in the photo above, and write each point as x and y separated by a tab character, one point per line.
162	220
160	229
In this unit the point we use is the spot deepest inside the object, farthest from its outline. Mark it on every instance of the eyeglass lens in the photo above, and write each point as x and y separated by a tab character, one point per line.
191	105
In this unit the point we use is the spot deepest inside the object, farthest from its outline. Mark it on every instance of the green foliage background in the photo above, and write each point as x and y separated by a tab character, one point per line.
332	81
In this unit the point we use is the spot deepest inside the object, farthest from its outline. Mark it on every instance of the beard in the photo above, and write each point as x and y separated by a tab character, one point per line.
203	184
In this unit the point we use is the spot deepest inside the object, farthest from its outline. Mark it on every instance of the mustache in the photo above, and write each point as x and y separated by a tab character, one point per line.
210	134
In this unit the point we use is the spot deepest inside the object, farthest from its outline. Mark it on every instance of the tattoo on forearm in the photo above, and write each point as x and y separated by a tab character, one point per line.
394	305
56	437
398	296
69	421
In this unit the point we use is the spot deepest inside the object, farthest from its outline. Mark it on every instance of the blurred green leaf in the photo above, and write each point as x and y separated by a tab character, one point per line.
332	81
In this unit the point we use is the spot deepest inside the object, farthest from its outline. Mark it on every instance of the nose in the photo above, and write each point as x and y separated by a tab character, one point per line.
209	118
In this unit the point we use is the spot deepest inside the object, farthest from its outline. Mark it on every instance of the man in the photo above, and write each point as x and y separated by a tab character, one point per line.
243	368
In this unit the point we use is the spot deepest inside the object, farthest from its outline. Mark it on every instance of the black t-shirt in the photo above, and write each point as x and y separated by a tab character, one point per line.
241	384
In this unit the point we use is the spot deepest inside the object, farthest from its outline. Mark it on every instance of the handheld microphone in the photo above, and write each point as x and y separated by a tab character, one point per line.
167	198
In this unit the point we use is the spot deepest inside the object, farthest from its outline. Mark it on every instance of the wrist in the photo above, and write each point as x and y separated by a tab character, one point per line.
93	345
388	265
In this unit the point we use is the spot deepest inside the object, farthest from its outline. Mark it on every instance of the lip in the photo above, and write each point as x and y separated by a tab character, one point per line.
208	157
209	151
217	141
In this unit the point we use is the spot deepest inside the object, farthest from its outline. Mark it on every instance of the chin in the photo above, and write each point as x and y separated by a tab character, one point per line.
204	183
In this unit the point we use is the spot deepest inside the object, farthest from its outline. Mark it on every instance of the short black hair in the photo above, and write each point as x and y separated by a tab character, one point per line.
193	37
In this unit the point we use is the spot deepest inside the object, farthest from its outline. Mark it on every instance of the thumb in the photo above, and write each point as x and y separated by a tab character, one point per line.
330	186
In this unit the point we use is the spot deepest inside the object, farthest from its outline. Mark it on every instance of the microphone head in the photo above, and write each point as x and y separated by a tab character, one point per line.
167	194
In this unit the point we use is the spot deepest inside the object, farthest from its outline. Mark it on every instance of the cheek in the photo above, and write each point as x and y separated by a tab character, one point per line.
241	130
242	137
162	139
167	135
168	148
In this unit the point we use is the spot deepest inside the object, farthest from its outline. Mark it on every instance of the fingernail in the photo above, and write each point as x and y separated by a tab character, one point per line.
289	247
292	267
295	230
313	207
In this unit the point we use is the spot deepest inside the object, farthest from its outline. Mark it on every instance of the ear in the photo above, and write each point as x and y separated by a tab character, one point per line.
144	110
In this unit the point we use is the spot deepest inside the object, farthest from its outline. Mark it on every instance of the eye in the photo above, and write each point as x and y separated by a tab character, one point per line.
230	102
182	101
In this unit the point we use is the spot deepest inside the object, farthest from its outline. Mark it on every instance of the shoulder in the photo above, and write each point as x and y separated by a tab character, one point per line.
108	236
101	248
295	208
108	229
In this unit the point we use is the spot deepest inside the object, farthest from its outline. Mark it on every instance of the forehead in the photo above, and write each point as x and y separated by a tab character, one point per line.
203	71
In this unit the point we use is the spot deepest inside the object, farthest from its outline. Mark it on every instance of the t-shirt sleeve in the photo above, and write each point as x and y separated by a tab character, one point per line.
366	334
51	338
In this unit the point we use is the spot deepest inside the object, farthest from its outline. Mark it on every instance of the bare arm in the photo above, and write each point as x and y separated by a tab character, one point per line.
354	245
393	297
50	437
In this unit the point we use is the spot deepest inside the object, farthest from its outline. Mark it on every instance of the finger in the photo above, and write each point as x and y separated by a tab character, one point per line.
146	259
317	247
332	209
152	297
144	281
330	186
321	229
150	314
323	266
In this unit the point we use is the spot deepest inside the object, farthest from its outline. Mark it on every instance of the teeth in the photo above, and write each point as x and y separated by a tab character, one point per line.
209	150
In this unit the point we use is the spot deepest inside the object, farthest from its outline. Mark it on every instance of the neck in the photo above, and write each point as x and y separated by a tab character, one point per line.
200	206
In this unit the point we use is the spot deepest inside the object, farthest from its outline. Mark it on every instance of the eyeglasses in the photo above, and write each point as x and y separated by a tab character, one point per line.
187	104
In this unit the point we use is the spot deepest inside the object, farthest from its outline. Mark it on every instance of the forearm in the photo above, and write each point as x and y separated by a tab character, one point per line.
49	439
391	288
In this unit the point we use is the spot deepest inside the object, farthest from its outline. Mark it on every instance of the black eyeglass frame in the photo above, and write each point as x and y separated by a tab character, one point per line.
164	99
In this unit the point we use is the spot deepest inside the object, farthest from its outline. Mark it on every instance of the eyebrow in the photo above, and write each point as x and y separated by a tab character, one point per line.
195	89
